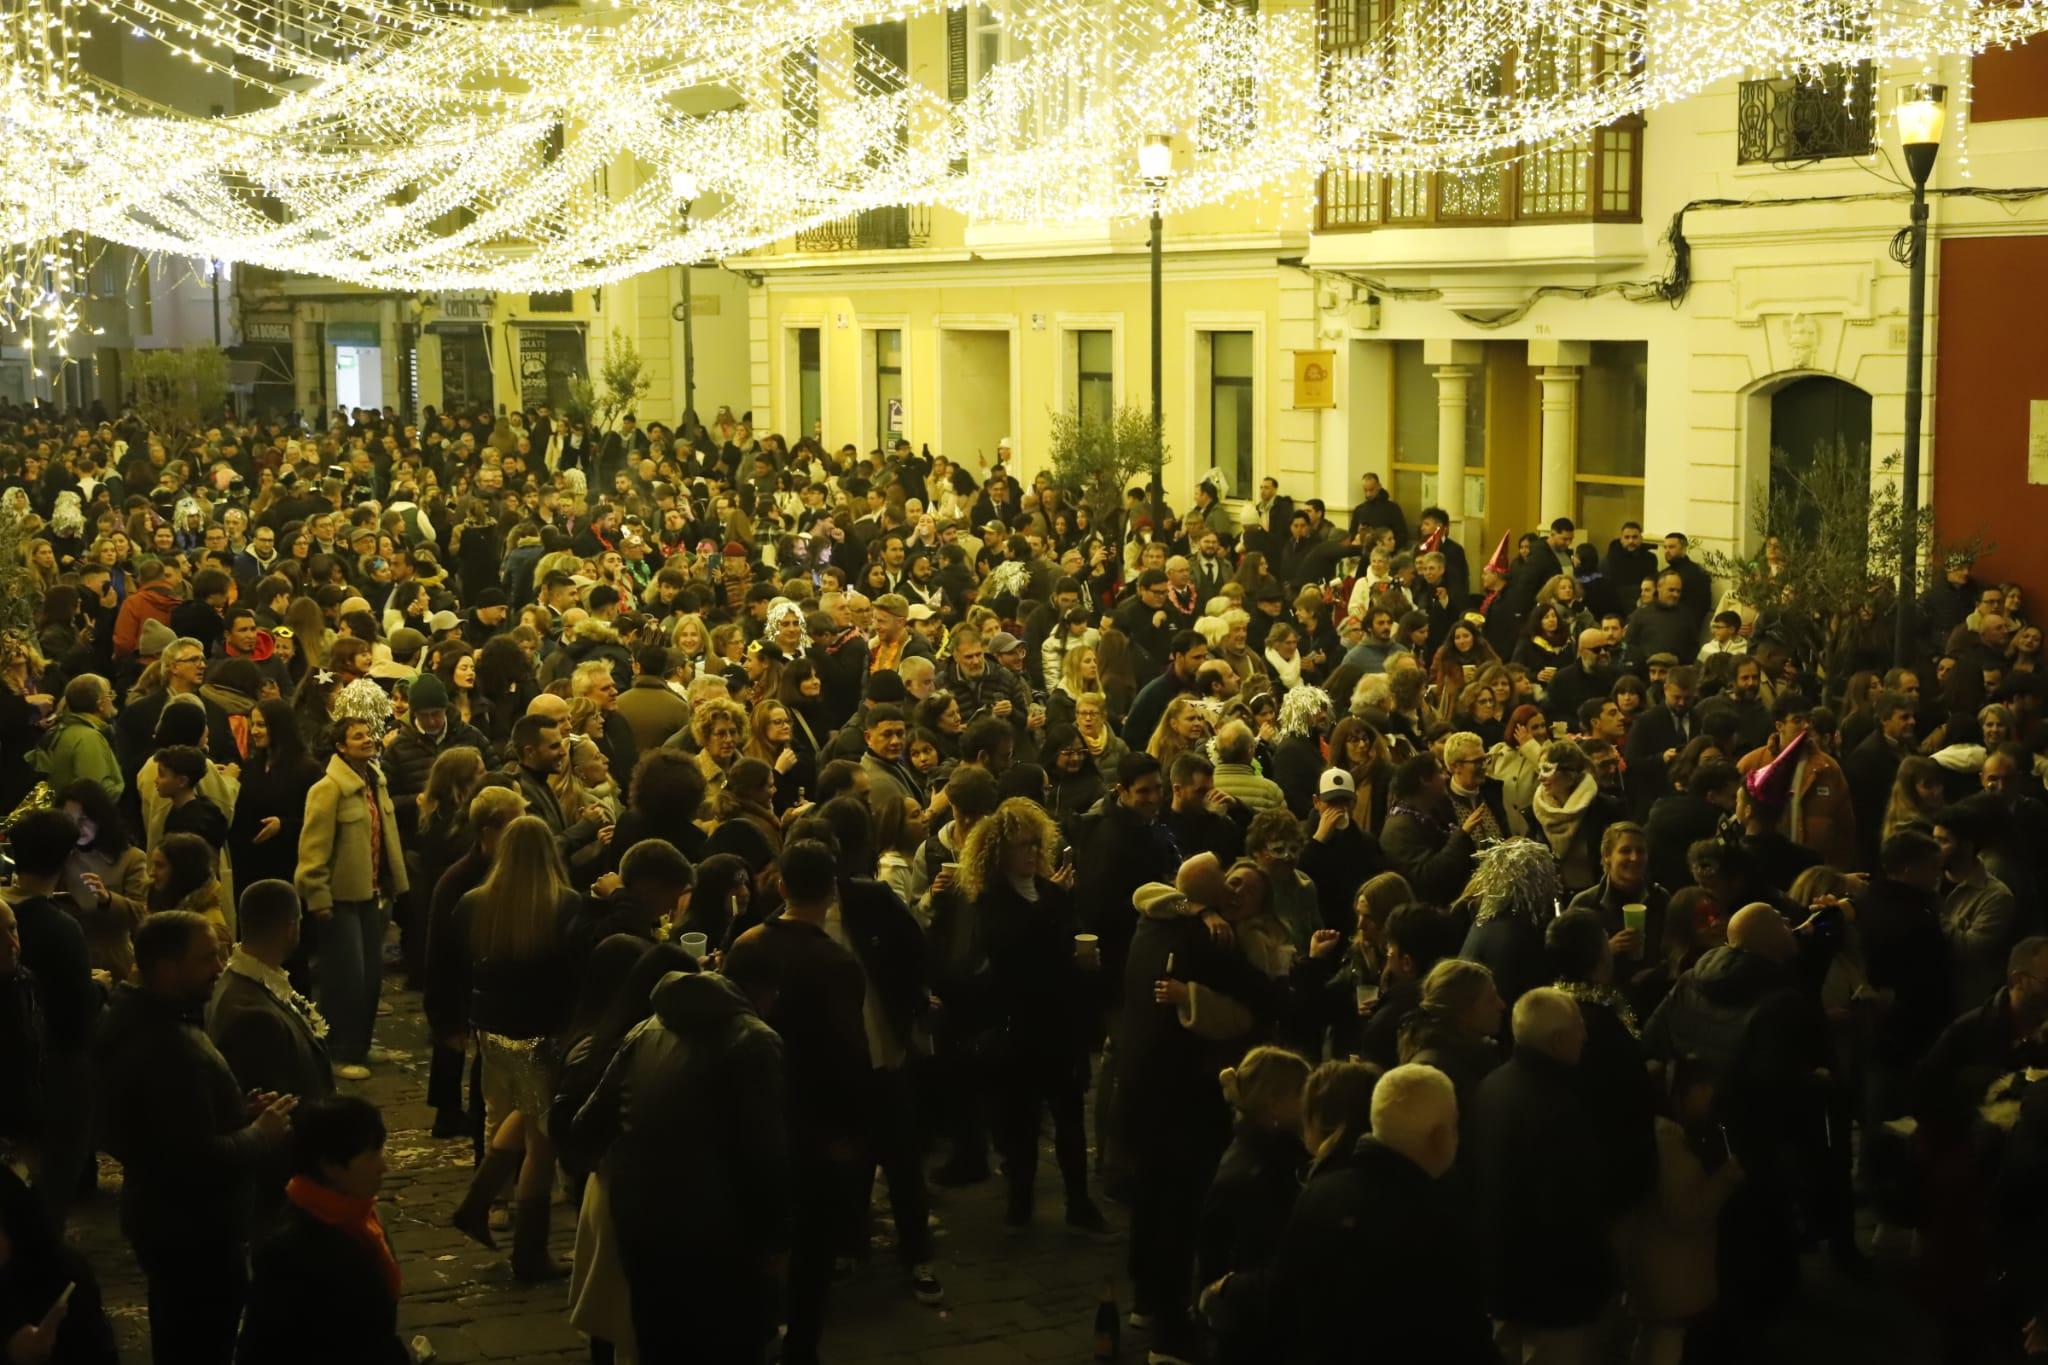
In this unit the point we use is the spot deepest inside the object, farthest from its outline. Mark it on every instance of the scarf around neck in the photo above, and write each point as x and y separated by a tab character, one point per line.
1561	823
355	1217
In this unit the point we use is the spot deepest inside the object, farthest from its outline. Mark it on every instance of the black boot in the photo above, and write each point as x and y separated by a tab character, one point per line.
530	1260
473	1216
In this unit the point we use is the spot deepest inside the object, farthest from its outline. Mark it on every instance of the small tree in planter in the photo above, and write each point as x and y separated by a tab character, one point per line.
176	388
622	381
1102	456
1842	533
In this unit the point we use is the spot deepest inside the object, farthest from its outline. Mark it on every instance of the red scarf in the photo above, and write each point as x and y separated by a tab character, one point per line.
356	1217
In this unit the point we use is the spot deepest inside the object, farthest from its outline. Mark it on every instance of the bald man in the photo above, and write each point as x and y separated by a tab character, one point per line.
1758	1024
1541	1189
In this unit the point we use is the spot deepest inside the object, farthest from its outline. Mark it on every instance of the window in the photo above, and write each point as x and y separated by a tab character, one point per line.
1231	405
1416	418
1613	437
888	344
1092	380
809	380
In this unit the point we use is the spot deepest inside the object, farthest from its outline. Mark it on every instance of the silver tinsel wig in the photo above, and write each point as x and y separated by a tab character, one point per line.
1514	877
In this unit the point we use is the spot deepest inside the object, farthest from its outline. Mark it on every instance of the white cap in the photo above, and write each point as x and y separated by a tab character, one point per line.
1005	444
1336	782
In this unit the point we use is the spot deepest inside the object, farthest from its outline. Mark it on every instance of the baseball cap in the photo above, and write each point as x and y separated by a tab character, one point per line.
1003	642
1336	784
444	620
920	612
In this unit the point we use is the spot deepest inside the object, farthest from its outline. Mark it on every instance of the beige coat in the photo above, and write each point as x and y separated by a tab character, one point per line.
1668	1244
334	849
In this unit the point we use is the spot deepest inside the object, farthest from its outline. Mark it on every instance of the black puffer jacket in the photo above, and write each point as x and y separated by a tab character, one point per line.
410	760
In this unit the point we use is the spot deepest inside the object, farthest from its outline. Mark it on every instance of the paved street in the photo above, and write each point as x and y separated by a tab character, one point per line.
1009	1299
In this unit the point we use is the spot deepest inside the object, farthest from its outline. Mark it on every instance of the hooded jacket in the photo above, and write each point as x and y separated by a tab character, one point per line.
153	603
77	746
700	1087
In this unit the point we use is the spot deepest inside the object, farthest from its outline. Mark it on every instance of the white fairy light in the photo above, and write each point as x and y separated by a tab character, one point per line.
465	146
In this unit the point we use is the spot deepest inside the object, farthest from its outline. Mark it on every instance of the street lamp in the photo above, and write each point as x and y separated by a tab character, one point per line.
1155	165
1921	112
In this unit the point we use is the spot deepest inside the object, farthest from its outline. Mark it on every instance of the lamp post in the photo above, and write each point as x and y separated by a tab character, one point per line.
1921	112
1155	164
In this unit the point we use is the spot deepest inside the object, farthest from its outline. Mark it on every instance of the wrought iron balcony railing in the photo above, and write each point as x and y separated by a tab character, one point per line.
882	229
1793	119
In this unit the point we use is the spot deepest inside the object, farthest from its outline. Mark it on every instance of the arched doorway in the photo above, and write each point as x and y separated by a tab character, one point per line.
1813	418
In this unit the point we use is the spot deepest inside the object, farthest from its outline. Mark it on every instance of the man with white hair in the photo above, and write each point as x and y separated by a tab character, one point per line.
1377	1249
1546	1206
592	681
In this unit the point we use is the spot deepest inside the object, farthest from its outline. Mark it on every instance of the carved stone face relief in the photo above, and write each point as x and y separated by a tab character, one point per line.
1802	340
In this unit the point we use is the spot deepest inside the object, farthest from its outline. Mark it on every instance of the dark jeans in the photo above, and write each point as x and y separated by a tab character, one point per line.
349	966
894	1143
65	1148
1168	1185
825	1202
1025	1092
195	1301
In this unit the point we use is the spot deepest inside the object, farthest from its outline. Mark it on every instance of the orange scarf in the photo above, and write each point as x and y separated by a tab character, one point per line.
356	1217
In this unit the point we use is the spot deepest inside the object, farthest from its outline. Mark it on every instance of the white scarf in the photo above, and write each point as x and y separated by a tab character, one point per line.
1561	822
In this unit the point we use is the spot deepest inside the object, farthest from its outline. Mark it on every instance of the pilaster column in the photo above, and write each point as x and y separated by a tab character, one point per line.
1560	424
1558	364
1459	366
1453	383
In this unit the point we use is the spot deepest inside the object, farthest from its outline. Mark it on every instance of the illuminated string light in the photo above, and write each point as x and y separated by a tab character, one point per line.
449	146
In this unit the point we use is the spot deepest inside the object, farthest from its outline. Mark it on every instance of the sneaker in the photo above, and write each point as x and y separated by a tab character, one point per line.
352	1071
926	1286
1083	1217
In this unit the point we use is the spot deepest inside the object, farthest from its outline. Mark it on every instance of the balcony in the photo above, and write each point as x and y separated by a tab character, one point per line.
883	229
1594	179
1790	119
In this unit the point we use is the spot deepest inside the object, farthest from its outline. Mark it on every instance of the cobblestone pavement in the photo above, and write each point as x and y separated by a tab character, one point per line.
1009	1299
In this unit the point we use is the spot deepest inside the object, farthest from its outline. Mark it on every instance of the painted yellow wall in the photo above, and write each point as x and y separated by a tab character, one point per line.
1033	304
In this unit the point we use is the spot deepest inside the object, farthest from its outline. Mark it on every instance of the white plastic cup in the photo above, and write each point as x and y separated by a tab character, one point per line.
696	945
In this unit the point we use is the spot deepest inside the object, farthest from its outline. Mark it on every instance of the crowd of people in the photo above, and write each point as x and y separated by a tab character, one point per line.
1529	958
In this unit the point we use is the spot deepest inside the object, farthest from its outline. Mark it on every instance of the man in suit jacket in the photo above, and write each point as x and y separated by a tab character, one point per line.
272	1037
1656	738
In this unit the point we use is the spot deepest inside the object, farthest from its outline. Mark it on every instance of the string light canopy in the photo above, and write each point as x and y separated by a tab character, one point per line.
439	145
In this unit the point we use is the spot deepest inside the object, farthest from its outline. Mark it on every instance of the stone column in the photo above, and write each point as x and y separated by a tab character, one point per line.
1558	364
1452	383
1458	365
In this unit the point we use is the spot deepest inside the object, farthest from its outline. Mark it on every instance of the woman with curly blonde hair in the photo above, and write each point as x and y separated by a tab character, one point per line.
1024	910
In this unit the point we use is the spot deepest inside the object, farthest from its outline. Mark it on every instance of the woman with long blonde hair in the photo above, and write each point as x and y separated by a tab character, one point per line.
522	984
1184	726
1023	909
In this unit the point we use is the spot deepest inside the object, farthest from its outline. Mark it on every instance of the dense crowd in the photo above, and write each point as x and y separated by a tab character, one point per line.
1529	957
